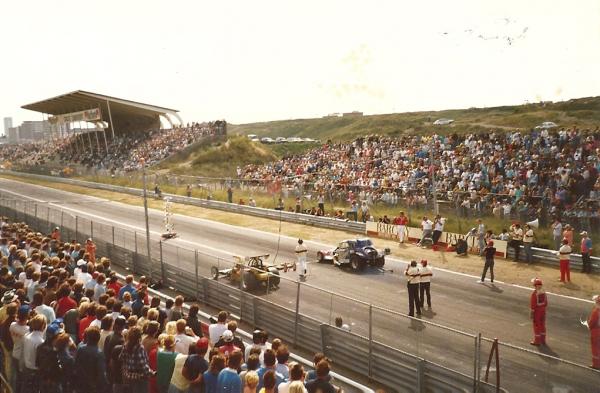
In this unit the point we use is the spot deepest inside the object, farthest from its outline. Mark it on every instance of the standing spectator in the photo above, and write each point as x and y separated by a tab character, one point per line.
65	302
179	383
229	194
568	234
210	376
593	323
229	381
516	238
425	274
538	304
412	282
41	309
401	222
489	254
438	228
269	382
283	355
250	382
480	235
364	210
18	330
322	383
182	340
528	238
99	288
301	252
177	312
195	366
49	369
586	250
215	330
90	365
269	361
339	323
321	202
127	288
427	227
557	235
90	249
188	190
228	347
564	256
136	366
192	320
296	375
165	362
115	338
65	348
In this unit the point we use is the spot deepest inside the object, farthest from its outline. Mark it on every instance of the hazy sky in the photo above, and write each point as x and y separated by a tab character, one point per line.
264	60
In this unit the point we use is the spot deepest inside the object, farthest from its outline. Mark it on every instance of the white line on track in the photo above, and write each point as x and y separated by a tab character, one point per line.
310	242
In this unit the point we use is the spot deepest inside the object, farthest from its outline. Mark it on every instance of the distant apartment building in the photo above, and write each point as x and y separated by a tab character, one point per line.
29	131
7	124
352	114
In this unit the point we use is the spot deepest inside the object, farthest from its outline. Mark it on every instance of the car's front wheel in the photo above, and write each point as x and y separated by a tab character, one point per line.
214	272
320	257
356	263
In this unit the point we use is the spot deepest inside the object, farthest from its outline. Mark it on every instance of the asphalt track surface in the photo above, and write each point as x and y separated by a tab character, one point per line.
499	310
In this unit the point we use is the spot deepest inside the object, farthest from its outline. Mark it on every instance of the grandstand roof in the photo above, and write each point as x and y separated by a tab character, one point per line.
80	100
127	114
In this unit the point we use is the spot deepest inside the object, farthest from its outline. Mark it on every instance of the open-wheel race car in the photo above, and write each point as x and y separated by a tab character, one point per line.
356	253
252	272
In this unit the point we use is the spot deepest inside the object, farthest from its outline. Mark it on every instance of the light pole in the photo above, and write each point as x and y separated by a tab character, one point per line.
143	162
436	209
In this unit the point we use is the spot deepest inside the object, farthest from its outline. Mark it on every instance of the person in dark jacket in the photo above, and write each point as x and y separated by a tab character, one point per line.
489	253
90	365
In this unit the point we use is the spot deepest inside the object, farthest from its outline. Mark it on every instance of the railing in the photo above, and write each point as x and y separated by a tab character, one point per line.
381	345
545	256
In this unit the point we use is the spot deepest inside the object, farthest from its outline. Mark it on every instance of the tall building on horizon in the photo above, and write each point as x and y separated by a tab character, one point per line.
7	124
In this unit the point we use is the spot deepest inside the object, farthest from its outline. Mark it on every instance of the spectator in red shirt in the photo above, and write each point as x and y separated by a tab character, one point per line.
228	347
65	302
114	284
90	316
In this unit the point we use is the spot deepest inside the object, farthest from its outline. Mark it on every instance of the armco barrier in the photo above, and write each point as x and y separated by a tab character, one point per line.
298	328
540	255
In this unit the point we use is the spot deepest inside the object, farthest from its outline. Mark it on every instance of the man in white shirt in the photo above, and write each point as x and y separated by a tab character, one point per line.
296	374
301	252
215	330
427	227
31	342
412	281
426	272
564	256
528	238
18	330
182	340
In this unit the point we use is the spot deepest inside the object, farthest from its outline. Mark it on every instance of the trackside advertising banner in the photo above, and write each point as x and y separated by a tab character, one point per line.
389	231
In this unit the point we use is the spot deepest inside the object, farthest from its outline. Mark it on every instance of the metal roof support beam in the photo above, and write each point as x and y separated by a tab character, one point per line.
112	125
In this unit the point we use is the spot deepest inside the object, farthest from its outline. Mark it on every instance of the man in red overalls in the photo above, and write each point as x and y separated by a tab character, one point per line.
539	302
594	326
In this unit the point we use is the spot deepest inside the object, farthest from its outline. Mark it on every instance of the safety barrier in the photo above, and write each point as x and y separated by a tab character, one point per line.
373	348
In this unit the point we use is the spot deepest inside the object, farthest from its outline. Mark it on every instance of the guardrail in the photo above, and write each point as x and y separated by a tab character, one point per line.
544	256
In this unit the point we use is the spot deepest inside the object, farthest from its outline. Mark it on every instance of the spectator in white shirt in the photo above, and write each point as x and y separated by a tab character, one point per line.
182	339
31	342
41	309
296	375
216	329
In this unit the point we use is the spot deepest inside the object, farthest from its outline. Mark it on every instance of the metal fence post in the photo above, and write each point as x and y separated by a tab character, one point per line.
113	235
162	265
135	241
370	340
421	376
476	363
77	228
37	222
91	229
297	316
62	219
196	272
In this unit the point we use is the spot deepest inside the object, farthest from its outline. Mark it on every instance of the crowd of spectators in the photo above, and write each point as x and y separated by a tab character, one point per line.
68	325
123	153
510	174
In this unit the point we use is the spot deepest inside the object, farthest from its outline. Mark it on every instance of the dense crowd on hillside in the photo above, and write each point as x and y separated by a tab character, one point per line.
68	325
124	152
511	174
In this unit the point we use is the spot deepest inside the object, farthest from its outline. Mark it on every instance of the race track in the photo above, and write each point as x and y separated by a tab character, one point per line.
494	310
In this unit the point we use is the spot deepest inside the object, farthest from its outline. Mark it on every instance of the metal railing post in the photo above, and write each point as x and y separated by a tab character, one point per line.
421	376
196	272
135	241
62	219
77	228
91	229
297	316
477	363
162	264
37	223
370	340
113	235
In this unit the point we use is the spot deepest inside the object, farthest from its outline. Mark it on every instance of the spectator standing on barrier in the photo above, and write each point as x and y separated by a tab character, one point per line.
593	323
528	238
489	253
427	227
557	235
480	235
401	222
564	257
538	304
301	252
586	250
425	274
412	282
516	238
438	228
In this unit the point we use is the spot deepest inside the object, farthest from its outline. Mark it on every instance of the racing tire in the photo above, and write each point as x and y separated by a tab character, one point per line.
379	262
214	273
356	263
248	282
274	278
